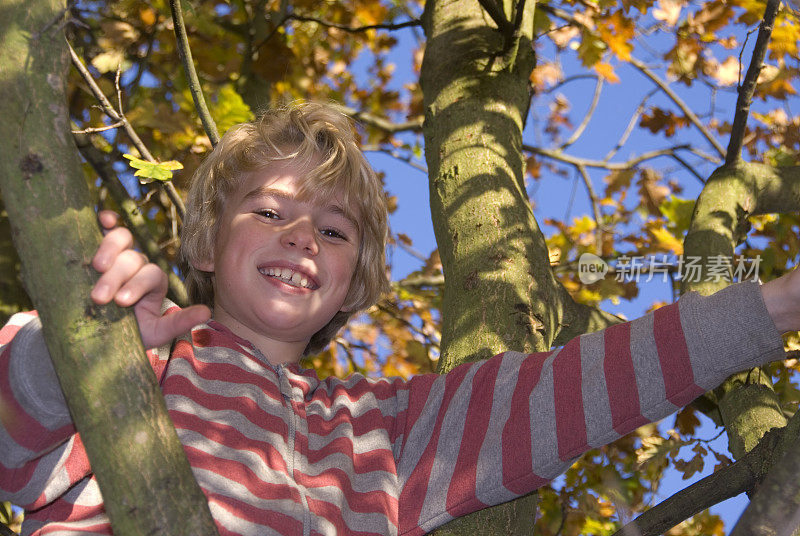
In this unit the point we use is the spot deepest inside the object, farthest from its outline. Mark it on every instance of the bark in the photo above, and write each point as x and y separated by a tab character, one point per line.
110	387
775	508
499	292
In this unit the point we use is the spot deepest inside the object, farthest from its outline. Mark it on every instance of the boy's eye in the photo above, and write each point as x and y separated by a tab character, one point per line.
267	213
333	233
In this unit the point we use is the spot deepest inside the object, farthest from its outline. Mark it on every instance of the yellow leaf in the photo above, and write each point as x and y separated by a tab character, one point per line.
666	240
606	71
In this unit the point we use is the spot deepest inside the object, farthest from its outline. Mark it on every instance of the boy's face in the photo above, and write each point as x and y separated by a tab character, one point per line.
282	267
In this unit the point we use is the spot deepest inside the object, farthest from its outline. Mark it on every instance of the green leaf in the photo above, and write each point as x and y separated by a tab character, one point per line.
160	171
591	48
228	109
678	213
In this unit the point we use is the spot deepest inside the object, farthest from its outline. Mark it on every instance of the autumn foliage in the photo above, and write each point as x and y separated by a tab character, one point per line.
632	106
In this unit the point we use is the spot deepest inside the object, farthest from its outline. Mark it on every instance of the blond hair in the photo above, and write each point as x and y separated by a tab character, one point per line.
318	138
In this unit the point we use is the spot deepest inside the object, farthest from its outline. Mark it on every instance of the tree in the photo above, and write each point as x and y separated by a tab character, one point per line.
489	69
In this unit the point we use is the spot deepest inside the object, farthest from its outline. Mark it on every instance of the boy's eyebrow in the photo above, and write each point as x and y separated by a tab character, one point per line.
266	191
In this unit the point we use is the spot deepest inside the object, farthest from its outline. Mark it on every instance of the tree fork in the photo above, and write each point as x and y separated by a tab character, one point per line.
114	400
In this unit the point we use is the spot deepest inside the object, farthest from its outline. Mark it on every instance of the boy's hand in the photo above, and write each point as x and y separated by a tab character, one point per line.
129	279
782	298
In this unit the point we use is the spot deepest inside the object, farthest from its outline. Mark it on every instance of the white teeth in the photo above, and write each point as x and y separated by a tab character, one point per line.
288	276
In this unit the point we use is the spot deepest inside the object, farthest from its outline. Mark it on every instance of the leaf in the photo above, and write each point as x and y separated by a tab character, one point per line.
160	171
658	120
686	421
727	73
619	180
618	32
606	71
666	241
109	61
591	48
229	109
668	11
678	212
651	192
692	466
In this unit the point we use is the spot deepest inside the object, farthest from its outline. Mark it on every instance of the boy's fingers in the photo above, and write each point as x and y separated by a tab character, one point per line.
147	279
124	267
113	244
108	219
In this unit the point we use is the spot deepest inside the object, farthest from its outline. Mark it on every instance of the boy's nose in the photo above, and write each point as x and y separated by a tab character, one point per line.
301	235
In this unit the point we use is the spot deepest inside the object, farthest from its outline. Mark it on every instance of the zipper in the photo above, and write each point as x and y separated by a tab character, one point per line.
283	381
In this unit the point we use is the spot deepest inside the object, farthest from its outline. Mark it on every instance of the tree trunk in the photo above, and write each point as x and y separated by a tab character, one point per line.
110	387
499	292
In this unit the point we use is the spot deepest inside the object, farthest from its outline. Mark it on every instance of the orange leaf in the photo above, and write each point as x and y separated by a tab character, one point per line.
606	70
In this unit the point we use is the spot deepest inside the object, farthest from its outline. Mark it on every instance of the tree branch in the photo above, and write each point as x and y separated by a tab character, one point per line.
774	509
185	54
589	113
728	482
602	164
353	29
380	122
748	87
587	182
690	115
497	16
118	116
631	125
395	154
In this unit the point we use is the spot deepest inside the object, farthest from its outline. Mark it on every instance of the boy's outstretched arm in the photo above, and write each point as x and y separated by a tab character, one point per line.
130	280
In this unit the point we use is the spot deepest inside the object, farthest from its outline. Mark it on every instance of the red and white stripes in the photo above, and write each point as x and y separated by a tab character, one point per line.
278	451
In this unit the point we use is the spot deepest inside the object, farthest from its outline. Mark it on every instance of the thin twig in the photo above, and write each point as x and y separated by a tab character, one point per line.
109	110
92	130
353	29
191	74
567	80
414	125
688	168
690	115
748	87
602	164
395	154
598	88
587	182
631	125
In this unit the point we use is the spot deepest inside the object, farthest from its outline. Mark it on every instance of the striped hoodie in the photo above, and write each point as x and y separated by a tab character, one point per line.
279	451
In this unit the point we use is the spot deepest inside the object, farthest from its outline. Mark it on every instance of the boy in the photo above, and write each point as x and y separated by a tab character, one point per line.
283	240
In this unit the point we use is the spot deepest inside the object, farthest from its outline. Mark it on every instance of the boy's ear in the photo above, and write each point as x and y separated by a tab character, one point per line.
204	265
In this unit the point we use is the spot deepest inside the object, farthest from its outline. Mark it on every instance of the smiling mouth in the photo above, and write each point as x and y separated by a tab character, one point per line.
289	276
